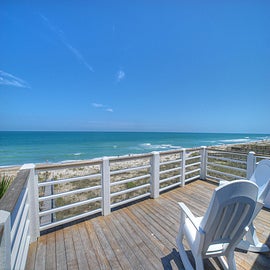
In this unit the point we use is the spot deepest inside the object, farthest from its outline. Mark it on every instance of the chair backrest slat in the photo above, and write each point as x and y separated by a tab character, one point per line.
229	212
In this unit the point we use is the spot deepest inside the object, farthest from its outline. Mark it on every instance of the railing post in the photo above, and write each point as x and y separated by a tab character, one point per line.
5	240
203	158
251	164
154	179
183	171
106	200
33	202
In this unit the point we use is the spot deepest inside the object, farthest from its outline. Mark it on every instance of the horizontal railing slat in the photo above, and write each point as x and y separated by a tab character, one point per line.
190	158
130	169
226	167
192	178
130	200
68	180
65	207
227	159
120	182
170	170
171	162
193	164
50	197
129	190
60	166
170	186
70	219
226	174
193	171
169	179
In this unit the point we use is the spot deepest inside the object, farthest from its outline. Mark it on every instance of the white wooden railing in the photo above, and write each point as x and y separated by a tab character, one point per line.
51	195
69	192
18	220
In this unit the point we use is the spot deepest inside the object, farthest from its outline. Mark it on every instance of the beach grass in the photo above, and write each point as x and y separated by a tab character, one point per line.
5	182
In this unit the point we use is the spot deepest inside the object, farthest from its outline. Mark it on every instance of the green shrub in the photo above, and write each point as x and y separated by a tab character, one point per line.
4	184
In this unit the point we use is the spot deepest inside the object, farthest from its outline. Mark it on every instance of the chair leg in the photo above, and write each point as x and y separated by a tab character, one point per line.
223	262
199	263
182	252
231	261
252	243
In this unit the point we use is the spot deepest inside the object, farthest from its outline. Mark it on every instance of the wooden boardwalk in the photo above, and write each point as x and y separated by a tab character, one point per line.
140	236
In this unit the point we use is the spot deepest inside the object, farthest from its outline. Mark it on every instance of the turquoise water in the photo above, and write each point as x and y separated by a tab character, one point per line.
17	148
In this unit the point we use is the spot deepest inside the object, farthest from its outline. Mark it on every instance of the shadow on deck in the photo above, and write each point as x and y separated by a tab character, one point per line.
140	236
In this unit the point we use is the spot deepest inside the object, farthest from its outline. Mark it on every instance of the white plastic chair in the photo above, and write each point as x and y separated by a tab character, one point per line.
224	224
261	177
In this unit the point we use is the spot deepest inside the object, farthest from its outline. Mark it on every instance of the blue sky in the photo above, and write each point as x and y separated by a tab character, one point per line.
184	66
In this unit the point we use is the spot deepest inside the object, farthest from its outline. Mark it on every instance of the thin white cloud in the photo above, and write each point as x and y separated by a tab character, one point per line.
120	75
97	105
63	39
102	106
9	79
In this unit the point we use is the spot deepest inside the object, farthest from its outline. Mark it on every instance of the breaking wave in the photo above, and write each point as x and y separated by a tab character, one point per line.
150	146
244	140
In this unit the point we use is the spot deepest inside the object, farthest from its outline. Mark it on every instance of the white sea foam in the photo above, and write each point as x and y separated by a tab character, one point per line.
77	154
150	146
146	144
209	142
235	141
67	161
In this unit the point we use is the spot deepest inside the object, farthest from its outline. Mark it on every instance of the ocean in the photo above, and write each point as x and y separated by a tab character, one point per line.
17	148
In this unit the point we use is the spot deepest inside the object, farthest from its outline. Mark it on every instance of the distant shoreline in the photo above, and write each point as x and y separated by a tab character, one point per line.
18	148
260	147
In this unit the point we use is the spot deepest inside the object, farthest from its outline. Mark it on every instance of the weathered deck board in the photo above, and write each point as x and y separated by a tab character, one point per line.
61	259
140	236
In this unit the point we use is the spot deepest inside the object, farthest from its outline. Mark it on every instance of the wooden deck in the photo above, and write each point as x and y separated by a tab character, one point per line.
140	236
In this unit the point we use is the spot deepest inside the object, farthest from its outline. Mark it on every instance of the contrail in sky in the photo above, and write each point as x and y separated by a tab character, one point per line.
9	79
62	37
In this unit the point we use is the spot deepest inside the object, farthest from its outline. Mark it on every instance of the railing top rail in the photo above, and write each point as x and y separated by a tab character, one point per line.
193	149
12	195
129	157
59	166
97	161
226	151
175	151
262	156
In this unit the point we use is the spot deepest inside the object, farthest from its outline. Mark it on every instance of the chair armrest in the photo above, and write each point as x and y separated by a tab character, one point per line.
223	182
189	215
